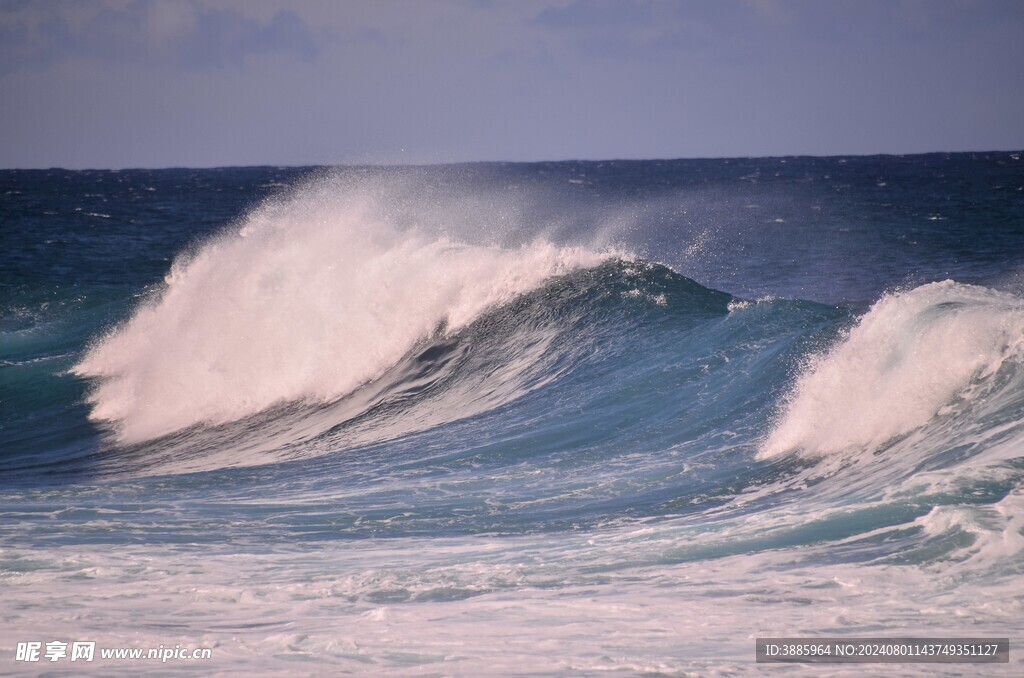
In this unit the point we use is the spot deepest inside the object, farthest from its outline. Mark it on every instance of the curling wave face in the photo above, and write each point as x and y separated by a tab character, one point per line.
305	301
915	358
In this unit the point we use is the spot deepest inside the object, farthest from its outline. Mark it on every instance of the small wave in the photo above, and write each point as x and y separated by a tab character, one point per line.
911	358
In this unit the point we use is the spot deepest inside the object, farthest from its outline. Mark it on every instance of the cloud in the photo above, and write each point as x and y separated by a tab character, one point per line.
619	30
225	36
174	33
585	14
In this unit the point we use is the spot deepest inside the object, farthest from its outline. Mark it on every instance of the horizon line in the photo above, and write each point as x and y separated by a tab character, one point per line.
505	162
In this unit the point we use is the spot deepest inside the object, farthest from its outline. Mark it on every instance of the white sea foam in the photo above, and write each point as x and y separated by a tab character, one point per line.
559	604
910	358
305	301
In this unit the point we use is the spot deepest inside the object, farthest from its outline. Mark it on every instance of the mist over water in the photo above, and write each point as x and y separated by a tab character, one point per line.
555	418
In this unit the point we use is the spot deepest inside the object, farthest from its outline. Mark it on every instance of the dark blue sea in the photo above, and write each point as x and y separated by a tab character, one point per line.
573	418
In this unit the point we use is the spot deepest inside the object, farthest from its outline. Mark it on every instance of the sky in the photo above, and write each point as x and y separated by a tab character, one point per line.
202	83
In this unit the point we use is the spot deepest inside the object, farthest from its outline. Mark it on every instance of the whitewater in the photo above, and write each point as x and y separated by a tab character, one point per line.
581	418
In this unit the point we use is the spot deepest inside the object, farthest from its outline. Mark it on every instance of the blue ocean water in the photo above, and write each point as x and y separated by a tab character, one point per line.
570	418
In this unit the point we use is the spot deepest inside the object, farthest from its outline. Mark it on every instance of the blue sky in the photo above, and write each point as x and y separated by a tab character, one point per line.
138	83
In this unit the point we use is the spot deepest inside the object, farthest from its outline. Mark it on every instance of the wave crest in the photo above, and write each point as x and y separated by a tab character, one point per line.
908	360
305	301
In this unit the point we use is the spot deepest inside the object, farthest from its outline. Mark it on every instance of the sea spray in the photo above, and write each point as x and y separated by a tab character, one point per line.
305	301
907	359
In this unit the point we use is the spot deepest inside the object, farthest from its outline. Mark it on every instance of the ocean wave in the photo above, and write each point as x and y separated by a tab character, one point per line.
917	356
305	301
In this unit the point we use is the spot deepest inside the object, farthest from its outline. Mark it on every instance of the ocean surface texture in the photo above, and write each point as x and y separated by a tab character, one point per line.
576	418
